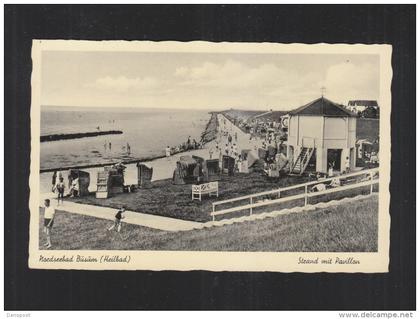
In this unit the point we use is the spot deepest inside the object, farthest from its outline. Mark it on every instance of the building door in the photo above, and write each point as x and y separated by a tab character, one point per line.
334	158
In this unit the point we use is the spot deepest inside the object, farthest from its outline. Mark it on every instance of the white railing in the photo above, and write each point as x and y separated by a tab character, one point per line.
369	180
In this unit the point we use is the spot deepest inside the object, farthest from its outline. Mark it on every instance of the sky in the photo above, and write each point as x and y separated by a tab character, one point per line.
210	81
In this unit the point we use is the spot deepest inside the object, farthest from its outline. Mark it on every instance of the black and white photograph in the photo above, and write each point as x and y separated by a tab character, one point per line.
209	157
209	147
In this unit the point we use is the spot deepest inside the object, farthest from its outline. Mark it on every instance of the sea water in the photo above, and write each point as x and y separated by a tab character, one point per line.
147	132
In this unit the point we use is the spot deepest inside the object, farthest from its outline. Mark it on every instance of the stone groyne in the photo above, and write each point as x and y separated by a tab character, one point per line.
210	132
70	136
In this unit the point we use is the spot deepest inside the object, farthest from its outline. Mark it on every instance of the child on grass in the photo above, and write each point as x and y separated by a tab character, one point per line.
117	221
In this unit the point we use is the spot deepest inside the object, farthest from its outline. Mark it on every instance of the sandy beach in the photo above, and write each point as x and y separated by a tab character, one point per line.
163	168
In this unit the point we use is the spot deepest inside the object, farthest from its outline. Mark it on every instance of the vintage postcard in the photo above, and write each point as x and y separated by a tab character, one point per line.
210	156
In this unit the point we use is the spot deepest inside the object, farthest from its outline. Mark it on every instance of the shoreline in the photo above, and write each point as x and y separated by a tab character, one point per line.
209	134
163	167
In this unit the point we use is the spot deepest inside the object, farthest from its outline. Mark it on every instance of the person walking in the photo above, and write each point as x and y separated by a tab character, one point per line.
331	169
117	221
168	152
49	214
347	165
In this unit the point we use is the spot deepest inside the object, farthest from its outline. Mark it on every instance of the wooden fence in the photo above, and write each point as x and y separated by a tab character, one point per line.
369	178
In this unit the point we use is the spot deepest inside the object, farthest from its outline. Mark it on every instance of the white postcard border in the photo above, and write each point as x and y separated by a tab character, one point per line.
369	262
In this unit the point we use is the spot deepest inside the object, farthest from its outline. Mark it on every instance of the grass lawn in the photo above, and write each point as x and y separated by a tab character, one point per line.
167	199
350	227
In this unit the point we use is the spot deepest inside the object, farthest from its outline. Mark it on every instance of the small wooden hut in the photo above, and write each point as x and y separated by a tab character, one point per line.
83	181
228	165
144	175
186	171
110	181
116	177
248	158
211	170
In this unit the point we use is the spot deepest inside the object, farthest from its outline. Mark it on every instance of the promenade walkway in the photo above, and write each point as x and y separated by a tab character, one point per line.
134	218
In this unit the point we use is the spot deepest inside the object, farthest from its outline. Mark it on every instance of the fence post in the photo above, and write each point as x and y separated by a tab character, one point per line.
250	210
306	195
371	183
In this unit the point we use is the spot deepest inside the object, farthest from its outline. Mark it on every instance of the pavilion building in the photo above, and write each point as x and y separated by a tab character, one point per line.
321	133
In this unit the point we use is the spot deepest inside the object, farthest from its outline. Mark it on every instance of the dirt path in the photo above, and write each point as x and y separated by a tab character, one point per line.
243	141
135	218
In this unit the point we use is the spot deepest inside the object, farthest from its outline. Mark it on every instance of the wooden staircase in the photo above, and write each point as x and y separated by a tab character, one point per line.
302	160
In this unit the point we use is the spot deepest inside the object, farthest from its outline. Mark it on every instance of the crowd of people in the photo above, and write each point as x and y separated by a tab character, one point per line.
332	179
188	145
